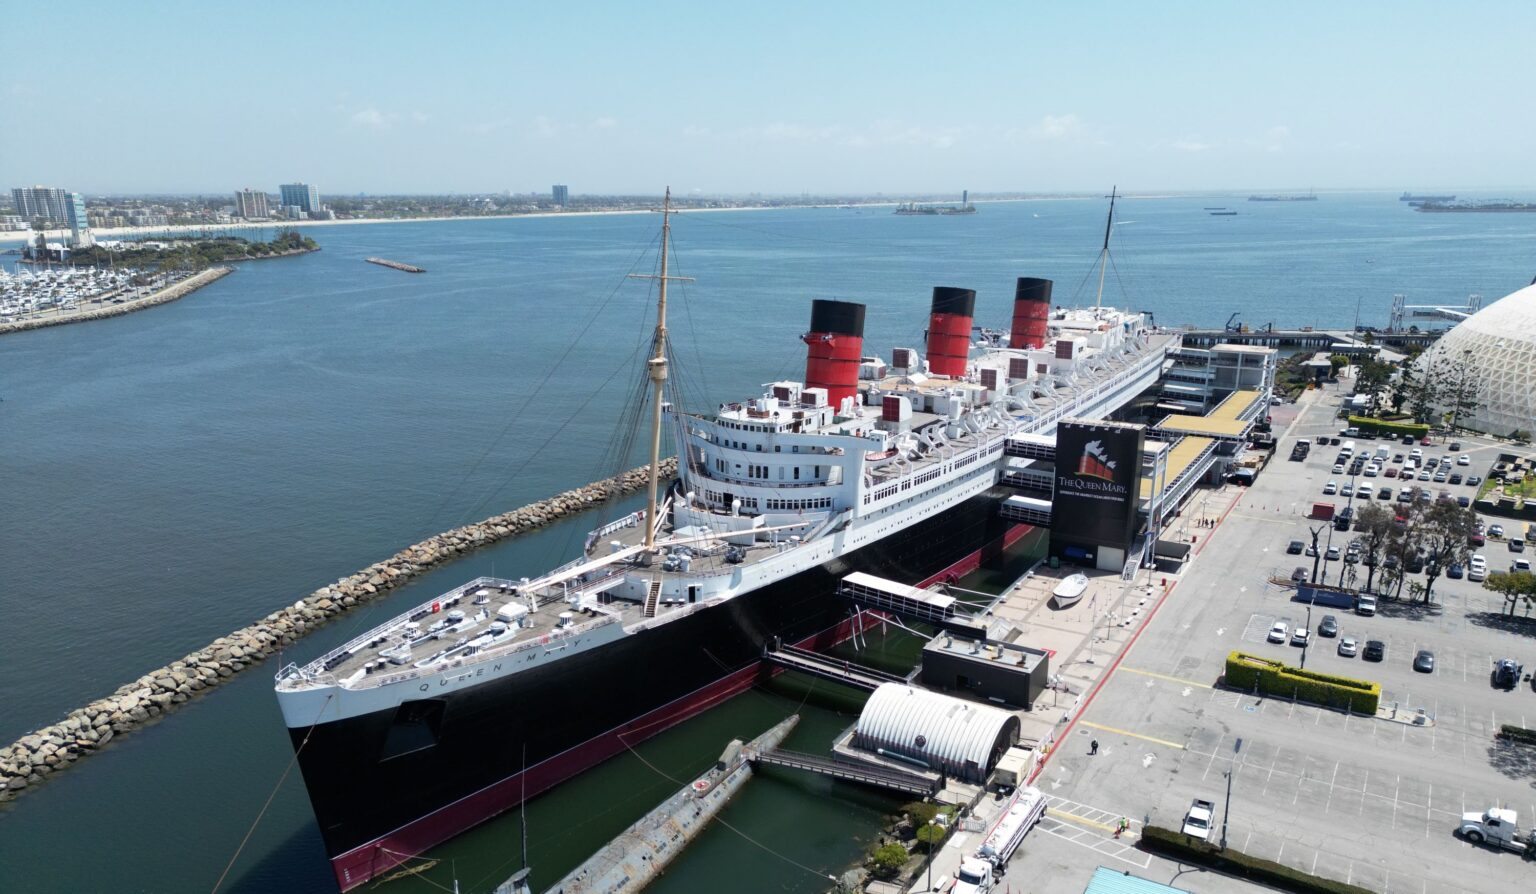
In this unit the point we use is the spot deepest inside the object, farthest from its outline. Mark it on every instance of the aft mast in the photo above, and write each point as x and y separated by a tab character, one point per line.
1098	302
656	368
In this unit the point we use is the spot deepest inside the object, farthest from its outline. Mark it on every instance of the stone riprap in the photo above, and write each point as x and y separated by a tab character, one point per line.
164	296
33	757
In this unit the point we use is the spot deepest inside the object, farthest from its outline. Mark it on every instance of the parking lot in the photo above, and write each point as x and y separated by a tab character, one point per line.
1373	801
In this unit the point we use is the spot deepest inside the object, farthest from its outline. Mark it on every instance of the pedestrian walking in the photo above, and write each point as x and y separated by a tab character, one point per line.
1093	747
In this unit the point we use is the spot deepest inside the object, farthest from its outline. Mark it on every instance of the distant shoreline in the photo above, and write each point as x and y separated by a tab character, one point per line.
173	229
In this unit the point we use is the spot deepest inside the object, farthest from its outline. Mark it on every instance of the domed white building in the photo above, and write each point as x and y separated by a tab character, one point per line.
1498	344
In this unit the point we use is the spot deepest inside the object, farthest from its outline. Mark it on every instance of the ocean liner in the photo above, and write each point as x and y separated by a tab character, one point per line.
496	690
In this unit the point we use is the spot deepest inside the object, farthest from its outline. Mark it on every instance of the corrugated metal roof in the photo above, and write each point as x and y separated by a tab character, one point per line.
955	736
1110	881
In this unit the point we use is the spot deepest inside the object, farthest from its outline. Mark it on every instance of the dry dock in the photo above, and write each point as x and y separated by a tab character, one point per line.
396	265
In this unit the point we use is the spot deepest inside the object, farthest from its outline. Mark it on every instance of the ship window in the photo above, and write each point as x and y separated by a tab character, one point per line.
776	449
797	473
416	726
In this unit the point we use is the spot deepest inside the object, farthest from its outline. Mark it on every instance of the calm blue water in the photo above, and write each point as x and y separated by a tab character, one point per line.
177	473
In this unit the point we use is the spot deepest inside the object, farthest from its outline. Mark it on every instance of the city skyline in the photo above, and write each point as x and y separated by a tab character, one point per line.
856	99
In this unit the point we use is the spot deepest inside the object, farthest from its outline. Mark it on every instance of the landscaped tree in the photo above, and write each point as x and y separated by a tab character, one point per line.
1514	586
1404	387
1374	524
1445	538
1372	376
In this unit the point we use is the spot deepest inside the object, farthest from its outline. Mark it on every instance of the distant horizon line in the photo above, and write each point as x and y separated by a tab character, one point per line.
881	195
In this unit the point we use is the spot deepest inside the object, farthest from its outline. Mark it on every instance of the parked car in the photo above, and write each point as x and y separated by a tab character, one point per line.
1375	650
1495	531
1329	626
1463	460
1516	545
1331	488
1299	636
1456	571
1391	472
1424	661
1454	446
1332	554
1520	565
1507	673
1338	468
1455	477
1474	480
1312	549
1300	575
1295	547
1279	632
1398	458
1348	647
1384	493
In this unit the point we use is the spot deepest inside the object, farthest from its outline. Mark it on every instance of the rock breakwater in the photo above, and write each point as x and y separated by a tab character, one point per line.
164	296
35	756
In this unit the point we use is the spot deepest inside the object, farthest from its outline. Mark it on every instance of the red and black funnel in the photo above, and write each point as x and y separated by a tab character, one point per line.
1031	310
949	330
834	347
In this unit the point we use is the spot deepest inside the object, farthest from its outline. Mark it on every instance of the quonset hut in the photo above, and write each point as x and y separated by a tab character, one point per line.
961	739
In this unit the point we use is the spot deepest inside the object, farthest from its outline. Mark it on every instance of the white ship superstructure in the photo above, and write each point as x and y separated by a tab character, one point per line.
770	487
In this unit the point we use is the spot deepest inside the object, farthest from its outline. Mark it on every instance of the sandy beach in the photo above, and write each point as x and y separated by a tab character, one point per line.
110	233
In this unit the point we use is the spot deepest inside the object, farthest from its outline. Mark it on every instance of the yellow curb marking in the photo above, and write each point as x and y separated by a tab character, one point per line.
1125	732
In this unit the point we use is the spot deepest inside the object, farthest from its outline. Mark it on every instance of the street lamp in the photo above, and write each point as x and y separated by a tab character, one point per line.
931	823
1307	643
1226	812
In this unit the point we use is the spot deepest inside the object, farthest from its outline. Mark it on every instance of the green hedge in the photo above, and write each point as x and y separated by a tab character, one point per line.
1250	672
1182	847
1518	734
1367	423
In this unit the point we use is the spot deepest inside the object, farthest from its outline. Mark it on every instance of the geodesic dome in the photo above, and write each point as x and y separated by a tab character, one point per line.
1498	343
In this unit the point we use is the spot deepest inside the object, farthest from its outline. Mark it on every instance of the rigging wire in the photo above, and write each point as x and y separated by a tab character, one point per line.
722	820
275	789
549	373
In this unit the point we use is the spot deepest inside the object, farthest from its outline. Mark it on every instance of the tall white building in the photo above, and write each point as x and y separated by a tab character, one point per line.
33	202
561	194
252	205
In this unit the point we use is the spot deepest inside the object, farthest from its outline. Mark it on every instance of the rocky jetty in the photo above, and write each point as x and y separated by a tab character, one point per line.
164	296
33	757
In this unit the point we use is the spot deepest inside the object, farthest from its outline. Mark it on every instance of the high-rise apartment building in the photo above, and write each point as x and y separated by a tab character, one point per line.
301	195
33	202
252	205
79	225
561	193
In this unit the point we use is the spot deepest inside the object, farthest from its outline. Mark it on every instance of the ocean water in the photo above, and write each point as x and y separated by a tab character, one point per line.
174	474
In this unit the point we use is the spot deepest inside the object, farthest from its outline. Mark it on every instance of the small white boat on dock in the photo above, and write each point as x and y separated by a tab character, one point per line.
1070	590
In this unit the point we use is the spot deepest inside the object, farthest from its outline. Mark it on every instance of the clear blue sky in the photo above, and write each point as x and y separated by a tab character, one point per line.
769	97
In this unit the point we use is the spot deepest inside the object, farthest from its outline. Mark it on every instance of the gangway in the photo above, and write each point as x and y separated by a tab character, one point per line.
836	670
912	603
879	777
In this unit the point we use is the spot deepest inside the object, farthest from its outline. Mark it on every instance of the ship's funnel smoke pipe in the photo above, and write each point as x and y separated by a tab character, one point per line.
834	347
949	330
1031	310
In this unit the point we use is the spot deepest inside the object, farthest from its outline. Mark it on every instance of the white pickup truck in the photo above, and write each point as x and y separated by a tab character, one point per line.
1198	820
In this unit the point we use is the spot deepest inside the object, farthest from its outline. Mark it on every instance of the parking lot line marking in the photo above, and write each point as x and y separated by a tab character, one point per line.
1126	732
1156	675
1083	820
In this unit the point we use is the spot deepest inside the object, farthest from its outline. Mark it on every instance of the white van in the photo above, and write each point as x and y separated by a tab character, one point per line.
1383	452
1348	449
1365	490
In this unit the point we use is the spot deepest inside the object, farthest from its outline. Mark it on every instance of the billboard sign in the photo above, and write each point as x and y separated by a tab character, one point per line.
1098	476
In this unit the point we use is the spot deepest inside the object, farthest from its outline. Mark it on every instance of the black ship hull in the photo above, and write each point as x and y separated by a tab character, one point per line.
386	786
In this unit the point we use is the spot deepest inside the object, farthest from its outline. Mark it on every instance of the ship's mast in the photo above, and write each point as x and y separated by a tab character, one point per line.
1104	253
656	368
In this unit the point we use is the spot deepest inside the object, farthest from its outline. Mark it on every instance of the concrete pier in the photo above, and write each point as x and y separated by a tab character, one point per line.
83	731
630	861
396	265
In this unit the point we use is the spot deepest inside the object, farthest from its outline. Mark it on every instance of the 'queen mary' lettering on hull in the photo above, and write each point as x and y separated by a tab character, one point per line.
419	728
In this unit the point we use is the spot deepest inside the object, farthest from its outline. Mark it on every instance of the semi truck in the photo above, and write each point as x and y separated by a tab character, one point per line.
1498	827
979	873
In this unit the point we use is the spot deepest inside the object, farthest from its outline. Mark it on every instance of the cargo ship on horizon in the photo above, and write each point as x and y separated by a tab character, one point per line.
495	691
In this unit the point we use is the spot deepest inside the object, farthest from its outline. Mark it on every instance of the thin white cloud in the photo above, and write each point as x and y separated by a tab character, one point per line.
372	118
605	123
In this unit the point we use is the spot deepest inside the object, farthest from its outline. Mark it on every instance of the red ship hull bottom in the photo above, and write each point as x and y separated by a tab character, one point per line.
361	864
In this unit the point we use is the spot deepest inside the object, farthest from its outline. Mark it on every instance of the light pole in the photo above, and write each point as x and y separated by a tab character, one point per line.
931	823
1237	748
1307	644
